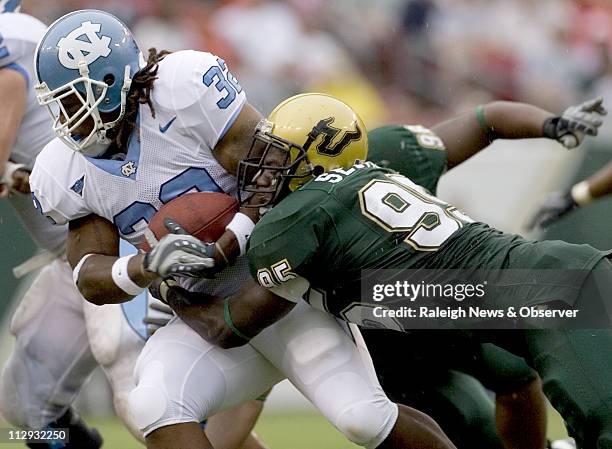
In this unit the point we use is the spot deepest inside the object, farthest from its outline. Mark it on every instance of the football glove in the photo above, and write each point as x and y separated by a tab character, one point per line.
554	206
577	121
180	253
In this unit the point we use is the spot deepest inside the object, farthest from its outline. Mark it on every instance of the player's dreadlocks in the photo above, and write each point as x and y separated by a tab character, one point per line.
140	93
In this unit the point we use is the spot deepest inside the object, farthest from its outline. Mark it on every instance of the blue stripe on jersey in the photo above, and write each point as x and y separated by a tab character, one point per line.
3	50
21	70
11	5
135	310
133	155
231	121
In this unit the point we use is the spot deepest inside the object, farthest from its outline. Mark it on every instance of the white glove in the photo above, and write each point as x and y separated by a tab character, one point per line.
554	206
180	253
576	122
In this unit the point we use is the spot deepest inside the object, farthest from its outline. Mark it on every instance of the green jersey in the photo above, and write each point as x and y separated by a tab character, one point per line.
411	150
317	242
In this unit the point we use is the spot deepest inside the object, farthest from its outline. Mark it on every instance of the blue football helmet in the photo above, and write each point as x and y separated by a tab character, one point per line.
10	5
92	56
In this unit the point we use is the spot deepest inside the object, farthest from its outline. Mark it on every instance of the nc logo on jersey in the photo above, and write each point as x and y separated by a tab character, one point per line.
74	48
128	169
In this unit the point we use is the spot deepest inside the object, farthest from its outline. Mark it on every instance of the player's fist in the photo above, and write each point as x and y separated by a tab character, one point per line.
554	206
180	253
159	288
576	122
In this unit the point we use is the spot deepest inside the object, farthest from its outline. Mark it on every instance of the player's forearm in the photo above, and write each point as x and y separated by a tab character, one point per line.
599	184
97	284
510	120
205	315
231	429
13	97
472	131
228	322
5	152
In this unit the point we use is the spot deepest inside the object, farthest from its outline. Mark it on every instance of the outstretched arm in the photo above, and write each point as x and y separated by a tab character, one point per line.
596	186
558	204
469	133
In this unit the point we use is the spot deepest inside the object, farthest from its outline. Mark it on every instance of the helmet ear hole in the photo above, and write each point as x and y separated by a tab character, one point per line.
109	79
318	170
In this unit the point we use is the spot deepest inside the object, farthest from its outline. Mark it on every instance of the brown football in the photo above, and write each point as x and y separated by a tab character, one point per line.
202	214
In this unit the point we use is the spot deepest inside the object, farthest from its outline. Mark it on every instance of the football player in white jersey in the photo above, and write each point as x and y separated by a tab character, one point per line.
60	337
132	137
52	357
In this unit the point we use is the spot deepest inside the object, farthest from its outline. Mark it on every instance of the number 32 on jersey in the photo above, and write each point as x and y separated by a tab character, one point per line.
398	205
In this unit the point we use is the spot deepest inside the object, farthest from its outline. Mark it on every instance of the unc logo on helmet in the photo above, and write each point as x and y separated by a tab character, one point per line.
84	64
73	50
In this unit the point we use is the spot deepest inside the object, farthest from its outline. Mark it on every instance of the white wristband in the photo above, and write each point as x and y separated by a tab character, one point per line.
581	193
77	269
241	226
7	176
122	278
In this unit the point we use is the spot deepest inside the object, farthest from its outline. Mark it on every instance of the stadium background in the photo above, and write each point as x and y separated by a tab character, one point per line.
394	61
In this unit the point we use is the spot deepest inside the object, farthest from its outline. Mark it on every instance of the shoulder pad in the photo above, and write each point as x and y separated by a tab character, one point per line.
199	90
19	34
54	176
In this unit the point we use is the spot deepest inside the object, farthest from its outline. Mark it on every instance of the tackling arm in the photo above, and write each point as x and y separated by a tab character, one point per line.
228	322
469	133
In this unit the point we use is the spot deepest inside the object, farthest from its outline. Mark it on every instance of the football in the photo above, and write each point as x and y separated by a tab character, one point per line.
202	214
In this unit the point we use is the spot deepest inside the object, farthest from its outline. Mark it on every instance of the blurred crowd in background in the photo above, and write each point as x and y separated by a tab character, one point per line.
414	61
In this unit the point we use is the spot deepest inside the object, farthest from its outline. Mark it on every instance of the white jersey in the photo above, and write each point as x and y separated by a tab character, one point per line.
19	35
196	101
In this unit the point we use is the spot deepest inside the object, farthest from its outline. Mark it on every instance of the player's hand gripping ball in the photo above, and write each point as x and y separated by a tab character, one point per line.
181	235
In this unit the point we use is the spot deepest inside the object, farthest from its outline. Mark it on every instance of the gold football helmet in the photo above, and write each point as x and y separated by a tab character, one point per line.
304	136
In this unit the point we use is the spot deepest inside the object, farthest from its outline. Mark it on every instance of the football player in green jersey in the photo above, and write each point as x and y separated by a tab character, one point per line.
316	241
448	369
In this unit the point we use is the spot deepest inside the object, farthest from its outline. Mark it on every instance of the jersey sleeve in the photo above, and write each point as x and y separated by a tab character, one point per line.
411	150
283	246
13	55
19	34
51	193
199	89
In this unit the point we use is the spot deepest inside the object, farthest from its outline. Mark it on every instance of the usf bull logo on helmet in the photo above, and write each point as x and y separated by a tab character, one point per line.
304	136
